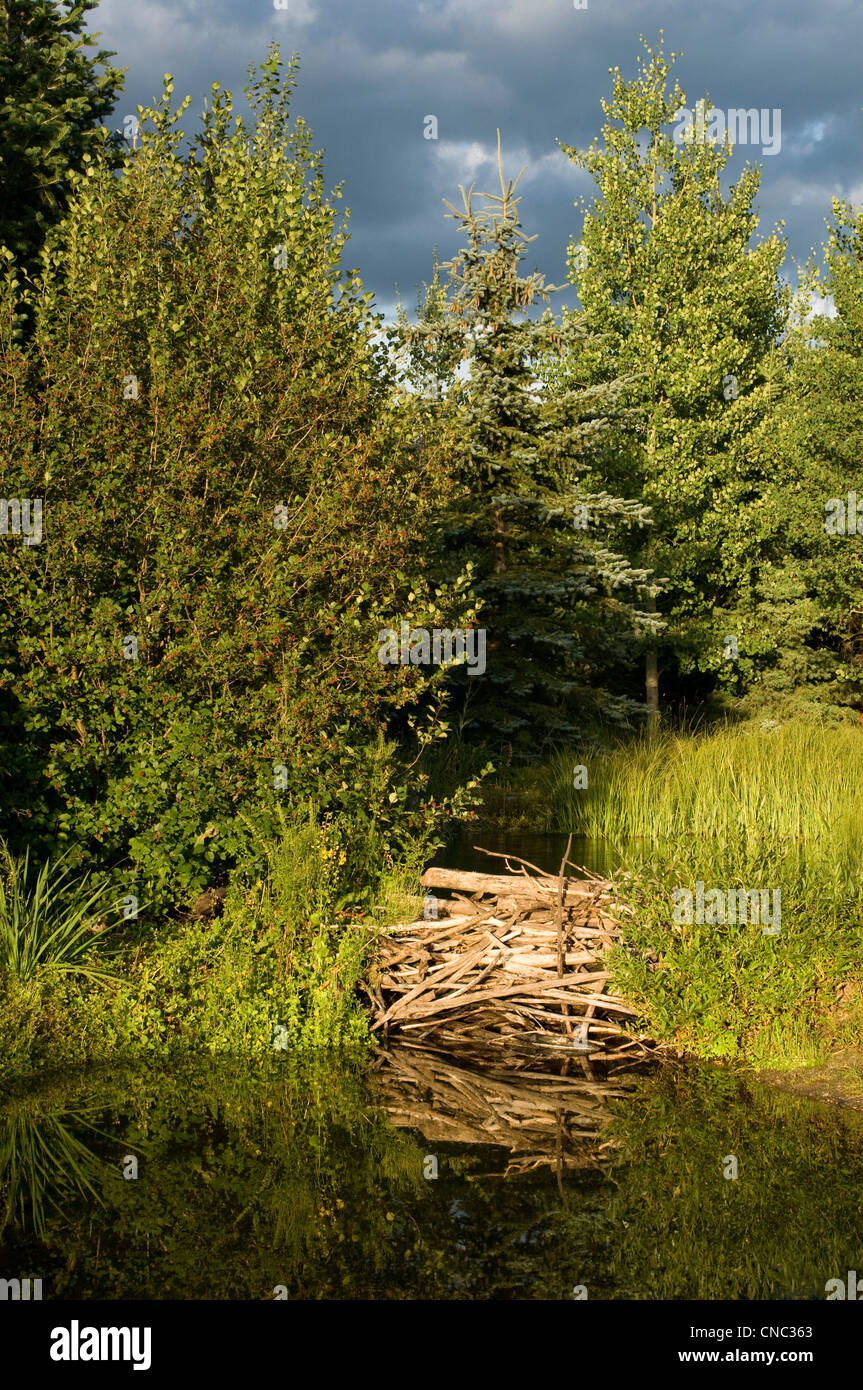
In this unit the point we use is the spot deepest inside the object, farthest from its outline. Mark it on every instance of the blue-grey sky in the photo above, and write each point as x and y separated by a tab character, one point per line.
372	70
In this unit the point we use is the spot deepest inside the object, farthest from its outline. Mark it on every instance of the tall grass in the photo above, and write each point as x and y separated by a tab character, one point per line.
774	808
794	782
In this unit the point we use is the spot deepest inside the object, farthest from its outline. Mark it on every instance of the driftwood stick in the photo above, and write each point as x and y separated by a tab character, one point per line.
567	1025
559	910
588	873
543	873
429	982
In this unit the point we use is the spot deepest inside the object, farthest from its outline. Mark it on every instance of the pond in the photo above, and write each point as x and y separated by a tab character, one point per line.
545	849
417	1176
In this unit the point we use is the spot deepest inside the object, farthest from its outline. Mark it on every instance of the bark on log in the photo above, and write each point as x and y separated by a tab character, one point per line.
509	885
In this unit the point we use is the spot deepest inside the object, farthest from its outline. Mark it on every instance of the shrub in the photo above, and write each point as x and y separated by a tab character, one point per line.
278	970
232	511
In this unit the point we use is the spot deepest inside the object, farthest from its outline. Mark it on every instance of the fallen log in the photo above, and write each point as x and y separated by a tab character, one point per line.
509	885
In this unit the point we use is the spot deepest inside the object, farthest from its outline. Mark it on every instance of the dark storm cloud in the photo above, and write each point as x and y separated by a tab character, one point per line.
538	69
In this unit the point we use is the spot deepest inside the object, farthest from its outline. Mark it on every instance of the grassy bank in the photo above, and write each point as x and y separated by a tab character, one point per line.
720	840
776	809
274	968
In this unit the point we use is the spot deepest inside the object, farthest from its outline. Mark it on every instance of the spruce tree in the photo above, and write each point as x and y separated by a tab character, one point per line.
684	304
559	603
52	101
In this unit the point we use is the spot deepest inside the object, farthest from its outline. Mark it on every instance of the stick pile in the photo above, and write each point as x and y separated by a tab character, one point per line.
518	961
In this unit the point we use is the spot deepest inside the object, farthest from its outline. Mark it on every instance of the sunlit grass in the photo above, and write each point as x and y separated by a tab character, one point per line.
797	781
777	809
49	918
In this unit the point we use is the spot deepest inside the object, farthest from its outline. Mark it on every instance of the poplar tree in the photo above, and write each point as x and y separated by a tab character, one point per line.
189	646
689	310
559	602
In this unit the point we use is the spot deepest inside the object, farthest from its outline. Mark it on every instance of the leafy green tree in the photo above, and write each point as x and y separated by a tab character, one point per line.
689	311
556	600
52	101
230	509
805	602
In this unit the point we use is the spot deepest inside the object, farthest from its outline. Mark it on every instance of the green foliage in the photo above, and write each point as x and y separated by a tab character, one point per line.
53	99
803	607
279	969
731	991
280	957
242	485
48	919
30	1024
680	302
250	518
555	600
777	809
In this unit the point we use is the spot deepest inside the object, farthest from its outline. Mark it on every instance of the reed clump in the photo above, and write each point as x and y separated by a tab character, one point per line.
776	811
793	782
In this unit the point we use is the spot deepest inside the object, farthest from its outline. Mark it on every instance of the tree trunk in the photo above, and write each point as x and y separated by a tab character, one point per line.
499	557
510	885
651	682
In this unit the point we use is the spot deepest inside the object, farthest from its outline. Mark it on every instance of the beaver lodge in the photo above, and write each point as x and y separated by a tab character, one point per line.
514	960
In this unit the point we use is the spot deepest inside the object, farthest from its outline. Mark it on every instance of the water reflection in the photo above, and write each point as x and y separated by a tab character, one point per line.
45	1156
541	1120
315	1179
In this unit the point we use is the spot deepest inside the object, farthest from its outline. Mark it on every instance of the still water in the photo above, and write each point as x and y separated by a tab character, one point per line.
542	848
420	1177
